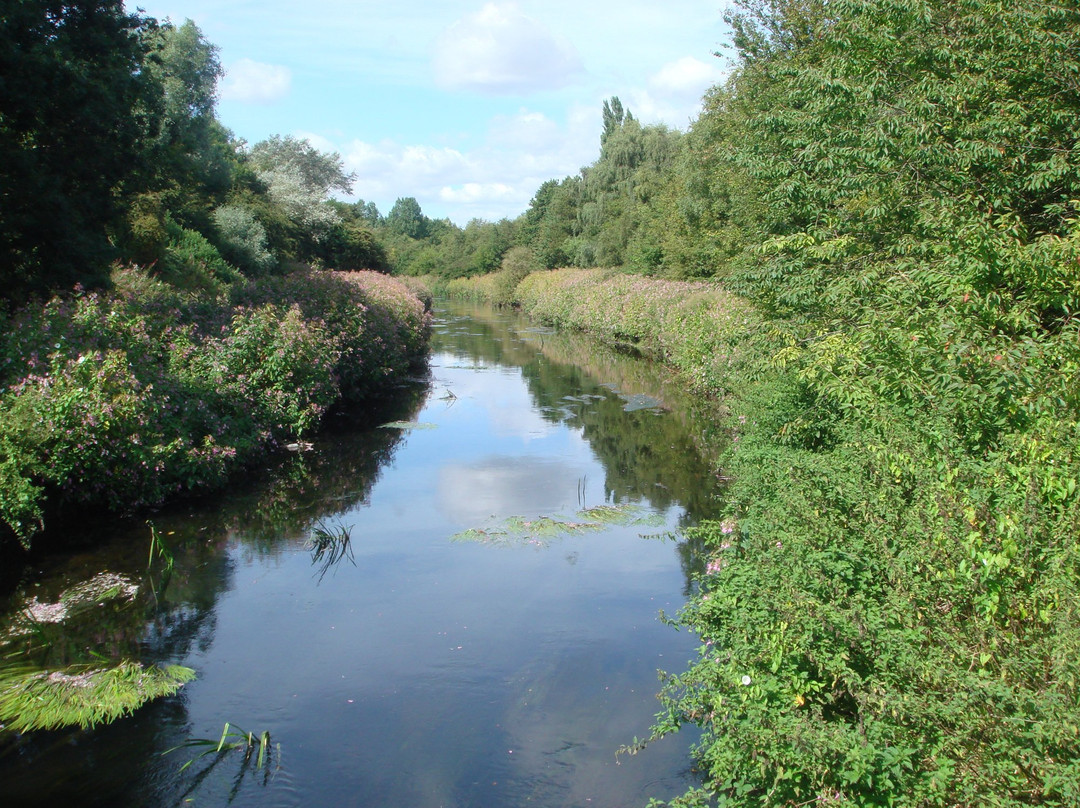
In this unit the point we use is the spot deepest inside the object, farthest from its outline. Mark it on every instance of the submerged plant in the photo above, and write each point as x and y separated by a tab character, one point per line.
232	739
329	545
255	750
82	695
409	424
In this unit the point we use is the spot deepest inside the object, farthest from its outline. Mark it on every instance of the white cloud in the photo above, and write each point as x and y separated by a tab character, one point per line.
492	180
686	77
470	494
472	192
673	94
254	82
500	50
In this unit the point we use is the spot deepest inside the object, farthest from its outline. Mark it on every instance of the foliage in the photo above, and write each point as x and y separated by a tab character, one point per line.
418	245
887	615
697	327
124	399
191	262
599	217
406	218
75	119
84	696
243	240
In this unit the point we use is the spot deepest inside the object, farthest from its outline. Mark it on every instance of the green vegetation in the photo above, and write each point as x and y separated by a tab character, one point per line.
161	323
891	187
256	753
126	398
82	695
868	243
519	530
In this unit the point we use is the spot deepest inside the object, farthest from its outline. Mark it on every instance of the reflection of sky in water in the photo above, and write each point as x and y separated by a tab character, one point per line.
434	672
471	493
499	457
497	392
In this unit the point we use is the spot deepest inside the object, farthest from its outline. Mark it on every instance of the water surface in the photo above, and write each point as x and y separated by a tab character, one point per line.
467	654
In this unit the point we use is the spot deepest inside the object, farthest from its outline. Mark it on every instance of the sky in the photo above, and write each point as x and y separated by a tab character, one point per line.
466	105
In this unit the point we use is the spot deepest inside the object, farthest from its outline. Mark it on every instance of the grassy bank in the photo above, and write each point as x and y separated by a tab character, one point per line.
127	398
889	612
698	328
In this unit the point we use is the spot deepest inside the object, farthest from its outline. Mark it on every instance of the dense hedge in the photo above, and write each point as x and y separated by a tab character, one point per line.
124	398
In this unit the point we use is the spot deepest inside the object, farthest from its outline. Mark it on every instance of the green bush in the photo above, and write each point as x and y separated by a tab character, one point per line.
124	400
242	240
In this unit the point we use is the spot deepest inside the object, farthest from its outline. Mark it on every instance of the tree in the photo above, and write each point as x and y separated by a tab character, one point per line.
316	172
614	117
299	179
75	112
190	159
406	218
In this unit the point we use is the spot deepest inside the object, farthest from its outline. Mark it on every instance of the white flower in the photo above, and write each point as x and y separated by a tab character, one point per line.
746	681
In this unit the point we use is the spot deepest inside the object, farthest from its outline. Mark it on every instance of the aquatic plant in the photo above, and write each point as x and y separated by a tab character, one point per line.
82	695
328	546
255	753
232	739
518	529
163	555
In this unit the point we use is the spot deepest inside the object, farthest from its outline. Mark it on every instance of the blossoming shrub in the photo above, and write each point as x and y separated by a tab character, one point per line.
122	400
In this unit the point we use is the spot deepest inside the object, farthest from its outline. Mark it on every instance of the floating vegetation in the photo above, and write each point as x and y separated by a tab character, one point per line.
328	546
103	588
519	530
82	695
409	425
641	401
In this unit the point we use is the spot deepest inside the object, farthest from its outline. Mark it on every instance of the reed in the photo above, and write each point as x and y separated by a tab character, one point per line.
328	546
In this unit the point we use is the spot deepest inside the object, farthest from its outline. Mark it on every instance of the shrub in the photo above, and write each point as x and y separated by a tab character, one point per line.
242	239
126	399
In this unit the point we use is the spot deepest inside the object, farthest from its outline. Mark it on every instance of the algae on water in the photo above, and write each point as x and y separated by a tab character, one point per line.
519	530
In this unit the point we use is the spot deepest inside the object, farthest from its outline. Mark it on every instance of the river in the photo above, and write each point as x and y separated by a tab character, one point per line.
490	638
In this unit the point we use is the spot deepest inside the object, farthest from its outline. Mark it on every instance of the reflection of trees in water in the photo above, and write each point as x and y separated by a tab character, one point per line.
335	477
665	458
121	764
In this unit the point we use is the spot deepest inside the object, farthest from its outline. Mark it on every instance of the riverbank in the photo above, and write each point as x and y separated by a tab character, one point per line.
125	399
890	610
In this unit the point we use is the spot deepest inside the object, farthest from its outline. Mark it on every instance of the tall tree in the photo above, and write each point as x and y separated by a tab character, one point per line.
406	218
300	179
74	115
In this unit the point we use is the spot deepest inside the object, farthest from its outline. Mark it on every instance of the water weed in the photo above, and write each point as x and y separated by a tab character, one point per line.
84	695
329	545
539	530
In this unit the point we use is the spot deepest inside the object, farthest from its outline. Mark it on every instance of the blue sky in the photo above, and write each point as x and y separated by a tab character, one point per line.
464	104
